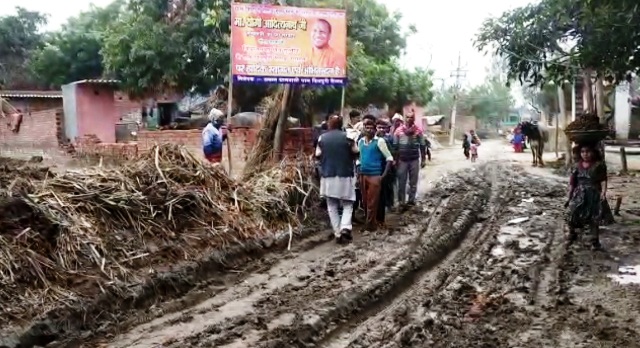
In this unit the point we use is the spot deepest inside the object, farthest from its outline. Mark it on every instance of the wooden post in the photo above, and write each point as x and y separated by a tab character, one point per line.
229	104
282	123
623	160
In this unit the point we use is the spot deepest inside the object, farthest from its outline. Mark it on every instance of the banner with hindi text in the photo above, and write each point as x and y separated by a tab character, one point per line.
295	45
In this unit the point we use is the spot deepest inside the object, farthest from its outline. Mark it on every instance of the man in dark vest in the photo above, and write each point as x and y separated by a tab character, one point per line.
337	154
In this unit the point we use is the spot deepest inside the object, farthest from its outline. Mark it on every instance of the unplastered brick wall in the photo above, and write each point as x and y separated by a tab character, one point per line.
241	140
90	145
38	131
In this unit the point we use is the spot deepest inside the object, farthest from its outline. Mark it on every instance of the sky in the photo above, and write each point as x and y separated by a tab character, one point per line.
445	29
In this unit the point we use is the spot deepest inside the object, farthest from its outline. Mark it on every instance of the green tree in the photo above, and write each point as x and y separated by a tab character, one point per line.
73	53
490	101
162	44
19	37
556	40
442	102
158	46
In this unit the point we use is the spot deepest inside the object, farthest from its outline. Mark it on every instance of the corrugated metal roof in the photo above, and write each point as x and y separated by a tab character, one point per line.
31	94
97	82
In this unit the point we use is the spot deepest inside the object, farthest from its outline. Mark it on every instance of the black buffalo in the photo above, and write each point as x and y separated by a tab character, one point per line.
537	136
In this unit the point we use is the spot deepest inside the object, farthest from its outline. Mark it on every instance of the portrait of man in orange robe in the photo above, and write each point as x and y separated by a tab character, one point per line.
322	54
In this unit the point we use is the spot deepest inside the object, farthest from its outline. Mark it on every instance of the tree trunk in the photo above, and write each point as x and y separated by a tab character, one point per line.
565	123
600	98
562	106
282	122
587	90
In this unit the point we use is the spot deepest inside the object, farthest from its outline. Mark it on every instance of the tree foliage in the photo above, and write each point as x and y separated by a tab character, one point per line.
489	101
555	40
19	38
183	46
73	53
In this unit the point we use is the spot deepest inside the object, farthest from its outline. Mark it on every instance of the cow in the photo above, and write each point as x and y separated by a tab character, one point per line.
537	136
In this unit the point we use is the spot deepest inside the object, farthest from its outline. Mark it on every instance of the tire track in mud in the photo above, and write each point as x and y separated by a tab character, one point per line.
466	279
462	301
293	303
430	282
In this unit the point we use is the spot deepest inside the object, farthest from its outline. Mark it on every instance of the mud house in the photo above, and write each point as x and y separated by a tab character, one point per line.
89	108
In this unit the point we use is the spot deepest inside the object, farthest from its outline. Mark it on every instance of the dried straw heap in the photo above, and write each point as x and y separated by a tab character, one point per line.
66	237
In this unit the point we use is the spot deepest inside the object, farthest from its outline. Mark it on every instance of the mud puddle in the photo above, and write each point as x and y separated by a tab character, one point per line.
627	275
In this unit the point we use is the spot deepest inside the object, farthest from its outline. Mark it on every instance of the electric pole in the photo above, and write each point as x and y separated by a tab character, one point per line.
458	74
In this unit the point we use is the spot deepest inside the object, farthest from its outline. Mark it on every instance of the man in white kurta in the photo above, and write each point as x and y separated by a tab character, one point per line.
337	154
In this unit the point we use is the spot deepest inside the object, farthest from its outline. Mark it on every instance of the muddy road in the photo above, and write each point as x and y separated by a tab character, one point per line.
480	262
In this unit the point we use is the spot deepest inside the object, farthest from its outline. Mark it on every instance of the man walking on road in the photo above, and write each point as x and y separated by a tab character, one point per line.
375	163
410	149
337	155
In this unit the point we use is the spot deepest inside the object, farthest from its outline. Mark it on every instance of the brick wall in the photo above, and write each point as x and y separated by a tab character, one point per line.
241	140
128	109
39	135
38	131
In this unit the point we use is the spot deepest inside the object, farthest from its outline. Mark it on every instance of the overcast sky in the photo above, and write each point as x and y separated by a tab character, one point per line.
445	28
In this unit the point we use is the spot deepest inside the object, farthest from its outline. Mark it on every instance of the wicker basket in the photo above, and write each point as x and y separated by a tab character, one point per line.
587	136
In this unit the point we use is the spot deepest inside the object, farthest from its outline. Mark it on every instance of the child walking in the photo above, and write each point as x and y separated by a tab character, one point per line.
466	146
474	152
587	194
475	143
518	141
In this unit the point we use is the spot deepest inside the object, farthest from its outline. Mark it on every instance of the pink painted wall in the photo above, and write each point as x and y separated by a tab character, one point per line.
96	111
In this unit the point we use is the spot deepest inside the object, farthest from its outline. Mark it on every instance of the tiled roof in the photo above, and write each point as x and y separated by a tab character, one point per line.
97	82
31	94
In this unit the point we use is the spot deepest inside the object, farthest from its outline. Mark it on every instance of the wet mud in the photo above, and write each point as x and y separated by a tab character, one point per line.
481	262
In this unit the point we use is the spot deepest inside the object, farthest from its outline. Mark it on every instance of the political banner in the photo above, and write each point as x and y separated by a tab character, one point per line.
295	45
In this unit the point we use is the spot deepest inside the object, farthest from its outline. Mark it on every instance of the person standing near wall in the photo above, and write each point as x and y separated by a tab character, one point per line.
212	137
337	154
410	152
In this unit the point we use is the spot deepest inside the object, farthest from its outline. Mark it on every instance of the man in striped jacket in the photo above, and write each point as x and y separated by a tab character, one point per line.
410	150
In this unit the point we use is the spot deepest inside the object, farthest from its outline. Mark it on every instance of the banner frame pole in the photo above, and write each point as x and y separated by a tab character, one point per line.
230	98
344	86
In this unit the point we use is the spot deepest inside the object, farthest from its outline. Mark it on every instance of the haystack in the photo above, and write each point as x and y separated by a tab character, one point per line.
262	153
73	235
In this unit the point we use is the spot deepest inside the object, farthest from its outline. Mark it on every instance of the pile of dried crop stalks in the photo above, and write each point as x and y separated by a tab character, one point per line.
67	237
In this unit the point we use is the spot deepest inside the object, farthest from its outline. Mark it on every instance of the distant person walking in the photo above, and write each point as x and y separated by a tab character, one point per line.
337	154
475	143
410	148
518	141
466	146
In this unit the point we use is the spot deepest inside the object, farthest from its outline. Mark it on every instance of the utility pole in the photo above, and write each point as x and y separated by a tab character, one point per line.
458	74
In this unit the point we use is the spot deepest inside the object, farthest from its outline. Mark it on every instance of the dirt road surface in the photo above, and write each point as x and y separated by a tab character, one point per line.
481	262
